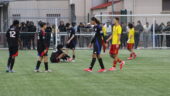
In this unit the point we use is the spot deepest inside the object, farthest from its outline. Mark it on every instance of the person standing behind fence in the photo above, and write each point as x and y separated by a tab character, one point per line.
79	29
161	28
124	36
23	29
62	29
167	31
146	33
32	30
139	30
48	31
157	31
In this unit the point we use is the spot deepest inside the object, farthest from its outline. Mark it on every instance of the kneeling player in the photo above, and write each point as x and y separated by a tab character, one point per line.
12	39
131	41
42	48
56	57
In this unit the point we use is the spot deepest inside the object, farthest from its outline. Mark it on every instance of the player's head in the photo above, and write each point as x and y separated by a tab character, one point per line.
94	21
130	25
60	47
43	25
116	20
15	23
68	25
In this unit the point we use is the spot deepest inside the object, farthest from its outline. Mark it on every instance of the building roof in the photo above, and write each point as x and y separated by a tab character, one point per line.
105	5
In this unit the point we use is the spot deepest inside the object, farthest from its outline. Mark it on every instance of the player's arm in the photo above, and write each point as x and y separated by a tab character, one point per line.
110	37
72	37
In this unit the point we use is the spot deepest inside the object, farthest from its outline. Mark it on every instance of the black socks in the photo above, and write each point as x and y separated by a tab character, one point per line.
101	63
38	65
10	63
46	66
92	63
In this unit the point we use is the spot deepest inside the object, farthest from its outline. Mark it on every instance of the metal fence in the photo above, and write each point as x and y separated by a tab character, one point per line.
156	35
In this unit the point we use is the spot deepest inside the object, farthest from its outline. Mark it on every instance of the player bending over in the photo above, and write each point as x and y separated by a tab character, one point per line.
114	50
131	41
13	43
71	42
42	48
97	45
56	57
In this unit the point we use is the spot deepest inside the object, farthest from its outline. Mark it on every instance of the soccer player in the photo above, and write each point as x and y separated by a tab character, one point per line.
71	42
56	57
131	41
13	44
42	48
97	45
116	36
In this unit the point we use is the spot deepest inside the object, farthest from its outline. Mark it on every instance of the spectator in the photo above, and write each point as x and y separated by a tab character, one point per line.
161	28
157	31
23	29
146	33
62	28
139	30
32	29
124	36
167	30
79	30
48	32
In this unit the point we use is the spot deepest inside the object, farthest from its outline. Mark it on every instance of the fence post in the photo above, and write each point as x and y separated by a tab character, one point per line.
56	32
154	32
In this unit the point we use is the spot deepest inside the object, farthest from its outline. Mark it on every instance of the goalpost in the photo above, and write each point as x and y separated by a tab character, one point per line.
153	19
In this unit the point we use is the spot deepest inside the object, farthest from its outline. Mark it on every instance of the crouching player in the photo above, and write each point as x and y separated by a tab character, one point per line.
59	55
13	40
131	41
114	50
97	46
42	48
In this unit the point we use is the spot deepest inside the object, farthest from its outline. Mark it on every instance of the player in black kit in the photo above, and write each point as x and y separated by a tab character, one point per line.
42	47
12	36
71	42
97	43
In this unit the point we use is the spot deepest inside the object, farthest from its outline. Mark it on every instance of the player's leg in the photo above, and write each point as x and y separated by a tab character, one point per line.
12	64
8	64
46	64
93	61
101	64
129	48
38	63
74	56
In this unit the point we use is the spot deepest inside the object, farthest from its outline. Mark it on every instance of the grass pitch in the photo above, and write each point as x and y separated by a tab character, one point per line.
148	75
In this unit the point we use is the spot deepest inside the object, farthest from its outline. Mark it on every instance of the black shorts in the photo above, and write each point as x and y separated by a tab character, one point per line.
41	52
97	47
71	45
13	51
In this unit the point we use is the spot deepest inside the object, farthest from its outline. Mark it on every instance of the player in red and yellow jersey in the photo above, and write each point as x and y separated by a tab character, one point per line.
116	36
131	41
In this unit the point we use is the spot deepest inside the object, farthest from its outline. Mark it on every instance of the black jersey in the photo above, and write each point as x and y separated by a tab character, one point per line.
43	40
99	36
71	33
13	36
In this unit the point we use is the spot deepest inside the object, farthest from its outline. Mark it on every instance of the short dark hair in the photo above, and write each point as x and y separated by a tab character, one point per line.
95	20
15	22
130	25
68	24
117	18
42	24
59	46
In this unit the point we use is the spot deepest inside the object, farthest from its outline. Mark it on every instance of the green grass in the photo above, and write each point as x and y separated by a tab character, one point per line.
148	75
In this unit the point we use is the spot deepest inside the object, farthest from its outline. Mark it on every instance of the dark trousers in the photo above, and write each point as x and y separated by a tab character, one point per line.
168	40
137	39
124	38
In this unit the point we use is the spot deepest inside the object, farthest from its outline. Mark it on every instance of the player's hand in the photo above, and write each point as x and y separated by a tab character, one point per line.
90	45
128	41
106	45
117	46
68	42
